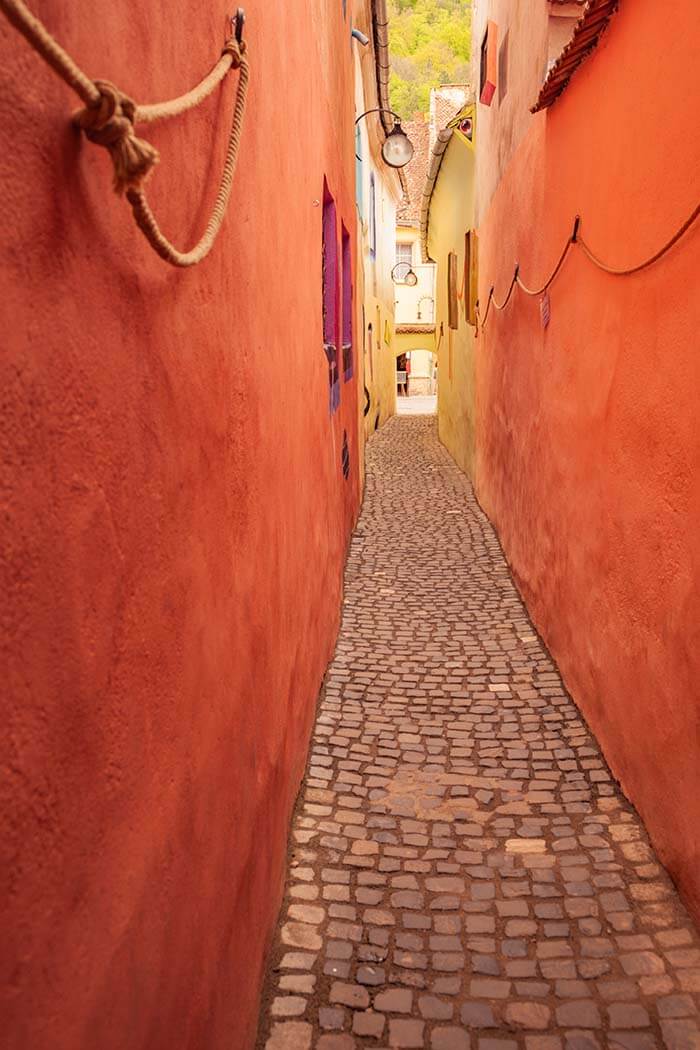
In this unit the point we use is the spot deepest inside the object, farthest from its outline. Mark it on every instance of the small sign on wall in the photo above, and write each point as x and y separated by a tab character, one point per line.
545	309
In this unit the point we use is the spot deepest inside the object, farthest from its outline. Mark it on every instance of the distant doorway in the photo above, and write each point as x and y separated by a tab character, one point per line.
416	373
403	374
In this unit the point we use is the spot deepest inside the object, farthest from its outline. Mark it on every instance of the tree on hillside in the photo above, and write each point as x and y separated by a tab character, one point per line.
430	43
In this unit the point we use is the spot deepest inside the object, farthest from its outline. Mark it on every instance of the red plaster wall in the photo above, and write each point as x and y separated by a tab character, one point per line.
589	432
173	523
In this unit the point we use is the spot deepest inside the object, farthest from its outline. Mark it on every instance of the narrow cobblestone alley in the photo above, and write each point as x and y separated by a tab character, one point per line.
464	871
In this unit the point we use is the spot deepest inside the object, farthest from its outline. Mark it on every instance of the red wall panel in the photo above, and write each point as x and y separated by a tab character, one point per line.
589	449
174	522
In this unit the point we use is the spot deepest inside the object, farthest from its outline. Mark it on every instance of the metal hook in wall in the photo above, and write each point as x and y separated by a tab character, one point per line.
237	24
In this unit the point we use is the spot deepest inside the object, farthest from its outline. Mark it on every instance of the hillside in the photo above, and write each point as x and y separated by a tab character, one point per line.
430	44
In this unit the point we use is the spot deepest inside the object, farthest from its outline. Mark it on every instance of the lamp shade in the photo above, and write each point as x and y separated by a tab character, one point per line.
397	150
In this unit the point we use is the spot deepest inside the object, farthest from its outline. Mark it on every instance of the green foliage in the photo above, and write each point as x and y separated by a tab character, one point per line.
430	45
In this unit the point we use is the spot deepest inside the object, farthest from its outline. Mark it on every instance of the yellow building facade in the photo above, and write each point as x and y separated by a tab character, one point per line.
415	310
448	240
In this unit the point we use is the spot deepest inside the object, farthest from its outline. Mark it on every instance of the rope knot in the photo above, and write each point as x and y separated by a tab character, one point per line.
235	50
110	123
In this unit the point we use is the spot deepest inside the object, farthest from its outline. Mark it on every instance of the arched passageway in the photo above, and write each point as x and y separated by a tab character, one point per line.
416	373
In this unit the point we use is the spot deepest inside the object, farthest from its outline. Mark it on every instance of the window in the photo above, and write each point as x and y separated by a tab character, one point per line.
404	252
330	297
466	126
483	64
347	307
372	217
503	68
452	291
471	276
404	262
345	456
488	65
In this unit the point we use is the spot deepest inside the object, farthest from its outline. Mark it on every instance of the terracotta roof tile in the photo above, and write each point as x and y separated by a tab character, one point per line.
589	28
445	102
418	132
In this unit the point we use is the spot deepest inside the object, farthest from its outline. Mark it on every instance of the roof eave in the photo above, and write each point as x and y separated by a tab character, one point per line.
438	152
587	33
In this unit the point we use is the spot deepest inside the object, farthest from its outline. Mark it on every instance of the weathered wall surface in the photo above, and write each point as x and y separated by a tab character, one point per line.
588	453
501	126
174	520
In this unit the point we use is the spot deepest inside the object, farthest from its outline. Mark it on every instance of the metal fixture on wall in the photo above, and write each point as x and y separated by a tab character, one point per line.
403	273
359	35
397	150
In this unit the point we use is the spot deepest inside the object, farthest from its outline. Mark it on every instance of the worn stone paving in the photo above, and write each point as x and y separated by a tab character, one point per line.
464	871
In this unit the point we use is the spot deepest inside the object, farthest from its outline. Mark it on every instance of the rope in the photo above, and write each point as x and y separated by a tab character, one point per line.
146	220
647	262
230	59
576	239
502	306
41	40
552	276
108	120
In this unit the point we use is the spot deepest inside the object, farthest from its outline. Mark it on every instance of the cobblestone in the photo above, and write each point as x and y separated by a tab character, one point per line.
465	872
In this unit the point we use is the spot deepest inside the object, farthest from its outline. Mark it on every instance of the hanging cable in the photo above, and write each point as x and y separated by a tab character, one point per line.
562	258
647	262
575	238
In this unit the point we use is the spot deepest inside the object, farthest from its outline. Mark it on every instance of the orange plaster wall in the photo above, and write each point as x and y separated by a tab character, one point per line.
173	525
589	432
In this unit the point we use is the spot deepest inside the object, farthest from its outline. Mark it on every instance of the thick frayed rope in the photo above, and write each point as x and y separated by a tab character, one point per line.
109	118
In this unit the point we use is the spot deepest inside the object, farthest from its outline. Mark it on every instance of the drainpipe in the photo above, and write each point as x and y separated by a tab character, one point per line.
380	29
380	25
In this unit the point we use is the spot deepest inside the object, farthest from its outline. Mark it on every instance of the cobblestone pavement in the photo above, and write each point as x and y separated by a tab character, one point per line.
417	405
464	871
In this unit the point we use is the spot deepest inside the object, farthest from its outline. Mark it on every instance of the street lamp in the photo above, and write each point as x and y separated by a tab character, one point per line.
397	150
403	273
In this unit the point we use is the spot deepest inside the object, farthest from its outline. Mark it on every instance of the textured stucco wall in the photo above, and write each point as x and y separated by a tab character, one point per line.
502	125
173	522
588	453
